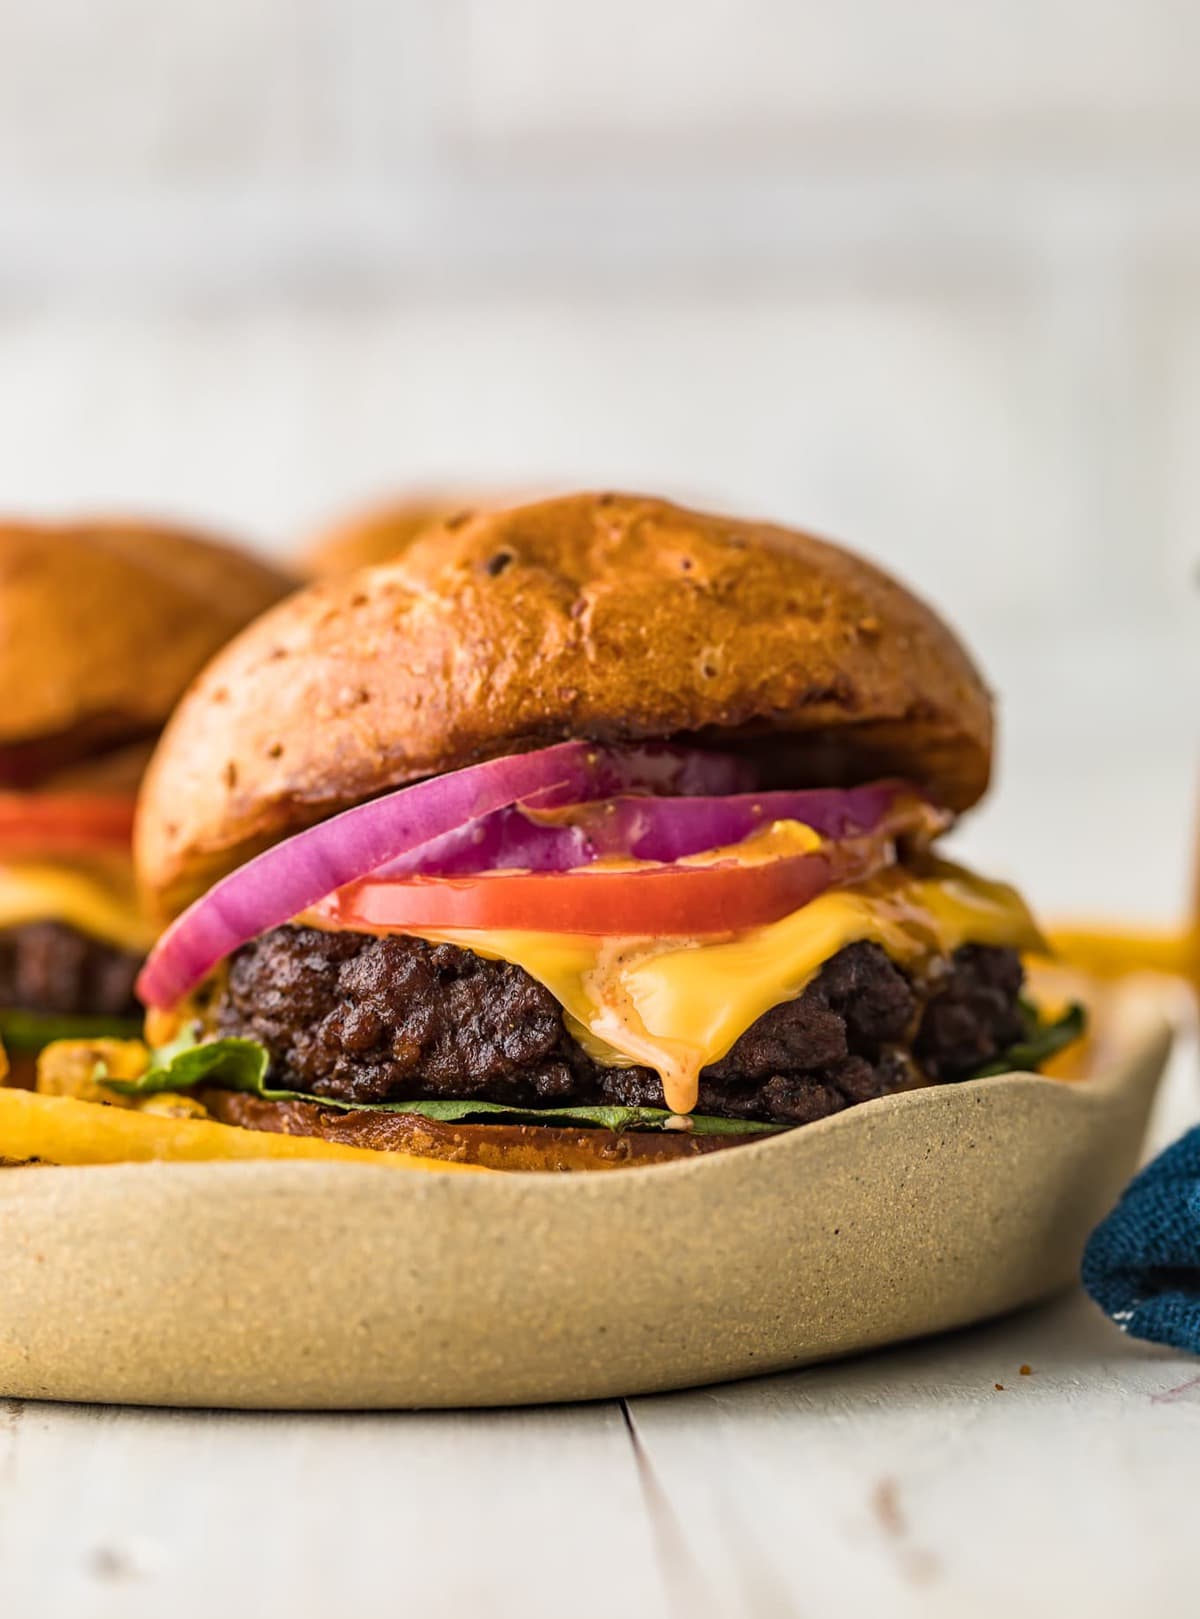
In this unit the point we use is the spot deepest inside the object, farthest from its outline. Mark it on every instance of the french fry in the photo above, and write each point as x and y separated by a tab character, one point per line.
62	1130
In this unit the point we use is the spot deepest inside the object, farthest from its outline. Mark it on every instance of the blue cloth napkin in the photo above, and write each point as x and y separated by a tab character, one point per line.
1142	1264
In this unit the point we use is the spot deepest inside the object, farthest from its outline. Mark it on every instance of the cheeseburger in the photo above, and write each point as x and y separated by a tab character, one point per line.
589	833
102	625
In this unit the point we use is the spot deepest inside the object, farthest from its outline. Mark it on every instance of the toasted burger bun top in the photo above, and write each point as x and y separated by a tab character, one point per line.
102	625
607	617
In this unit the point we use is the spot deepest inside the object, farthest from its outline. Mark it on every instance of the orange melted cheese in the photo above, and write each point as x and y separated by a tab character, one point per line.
676	1005
95	896
774	840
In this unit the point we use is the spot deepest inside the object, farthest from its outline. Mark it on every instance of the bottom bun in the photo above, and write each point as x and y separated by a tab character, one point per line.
493	1146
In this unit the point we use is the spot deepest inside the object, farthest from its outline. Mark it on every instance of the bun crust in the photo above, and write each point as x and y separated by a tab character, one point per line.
492	1146
103	624
608	617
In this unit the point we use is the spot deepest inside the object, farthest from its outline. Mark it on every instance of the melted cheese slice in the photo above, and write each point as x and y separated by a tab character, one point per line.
98	898
677	1005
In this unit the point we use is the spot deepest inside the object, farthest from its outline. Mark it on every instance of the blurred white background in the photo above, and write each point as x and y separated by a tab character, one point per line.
925	277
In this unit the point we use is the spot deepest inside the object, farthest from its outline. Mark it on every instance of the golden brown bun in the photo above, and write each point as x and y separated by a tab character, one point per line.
384	532
102	625
607	617
492	1146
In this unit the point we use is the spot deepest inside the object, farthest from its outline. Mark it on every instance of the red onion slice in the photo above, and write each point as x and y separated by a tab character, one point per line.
656	829
273	887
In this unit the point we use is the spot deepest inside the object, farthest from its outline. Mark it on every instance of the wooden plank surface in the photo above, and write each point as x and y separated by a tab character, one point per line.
910	1484
149	1514
904	1483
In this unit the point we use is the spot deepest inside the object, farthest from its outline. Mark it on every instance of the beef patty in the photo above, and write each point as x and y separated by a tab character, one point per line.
51	967
358	1018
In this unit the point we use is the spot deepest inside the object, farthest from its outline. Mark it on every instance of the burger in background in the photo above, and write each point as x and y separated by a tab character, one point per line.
384	531
102	626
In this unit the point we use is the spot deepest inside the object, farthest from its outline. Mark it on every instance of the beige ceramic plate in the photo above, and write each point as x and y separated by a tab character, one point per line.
323	1285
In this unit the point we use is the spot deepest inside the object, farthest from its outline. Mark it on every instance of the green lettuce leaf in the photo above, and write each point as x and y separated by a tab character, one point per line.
235	1065
243	1065
30	1031
1042	1040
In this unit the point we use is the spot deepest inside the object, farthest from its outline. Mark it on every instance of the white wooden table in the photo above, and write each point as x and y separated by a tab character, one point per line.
1043	1465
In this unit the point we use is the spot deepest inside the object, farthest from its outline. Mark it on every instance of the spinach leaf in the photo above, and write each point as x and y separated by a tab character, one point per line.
1042	1040
235	1065
242	1065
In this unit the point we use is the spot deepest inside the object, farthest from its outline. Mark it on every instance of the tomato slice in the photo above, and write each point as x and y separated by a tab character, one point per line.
660	901
41	823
